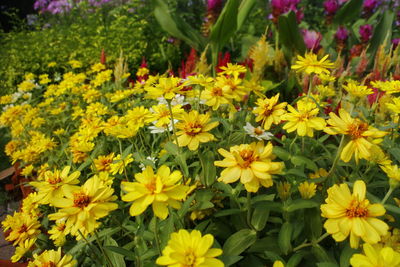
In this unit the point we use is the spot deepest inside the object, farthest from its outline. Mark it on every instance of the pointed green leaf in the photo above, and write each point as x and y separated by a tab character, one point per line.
237	243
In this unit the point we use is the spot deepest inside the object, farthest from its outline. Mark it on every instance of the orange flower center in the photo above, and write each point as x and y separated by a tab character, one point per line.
216	91
49	264
193	128
23	229
248	157
258	131
356	129
54	180
304	116
81	200
152	185
357	209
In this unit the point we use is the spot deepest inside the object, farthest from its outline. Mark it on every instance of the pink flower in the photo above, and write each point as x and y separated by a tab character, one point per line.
312	39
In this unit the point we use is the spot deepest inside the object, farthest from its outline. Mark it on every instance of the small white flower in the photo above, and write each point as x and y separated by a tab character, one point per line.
155	130
177	100
258	132
152	159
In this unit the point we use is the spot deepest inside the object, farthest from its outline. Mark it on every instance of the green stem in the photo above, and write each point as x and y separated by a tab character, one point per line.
156	236
391	189
337	157
172	122
249	210
304	245
90	247
123	161
102	249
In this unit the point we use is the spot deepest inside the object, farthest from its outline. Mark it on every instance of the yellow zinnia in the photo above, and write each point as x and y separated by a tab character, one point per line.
304	119
55	184
252	163
352	214
269	111
52	258
161	189
82	207
193	129
376	256
190	249
359	132
310	64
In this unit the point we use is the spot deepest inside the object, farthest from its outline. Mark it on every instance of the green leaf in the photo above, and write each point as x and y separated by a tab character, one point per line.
392	208
171	148
281	153
260	216
208	170
313	222
227	212
295	259
349	11
326	264
300	160
289	33
262	198
284	239
321	254
301	204
239	242
346	254
382	32
395	152
174	25
230	260
122	251
244	10
226	24
115	257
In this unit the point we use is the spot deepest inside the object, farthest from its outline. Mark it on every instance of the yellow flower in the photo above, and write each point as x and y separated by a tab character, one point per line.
27	170
376	256
307	190
283	189
22	227
22	249
161	189
161	115
119	164
268	111
252	163
390	87
26	86
232	69
190	249
278	264
215	96
44	79
103	163
166	87
304	119
310	64
57	234
359	132
193	129
97	67
52	64
357	90
352	214
395	106
55	184
75	64
52	258
393	172
82	207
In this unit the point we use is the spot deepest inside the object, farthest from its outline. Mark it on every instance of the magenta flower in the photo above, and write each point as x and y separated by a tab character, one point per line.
370	5
331	6
395	42
280	7
365	32
312	39
341	34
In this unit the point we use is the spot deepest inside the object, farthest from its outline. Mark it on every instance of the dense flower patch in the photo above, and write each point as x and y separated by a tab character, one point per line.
206	171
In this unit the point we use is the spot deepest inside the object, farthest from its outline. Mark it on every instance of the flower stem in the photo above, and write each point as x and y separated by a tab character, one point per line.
391	189
123	161
304	245
336	160
172	122
156	236
102	249
249	210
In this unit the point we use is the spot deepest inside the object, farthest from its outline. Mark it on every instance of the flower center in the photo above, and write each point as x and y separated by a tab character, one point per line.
81	200
193	128
23	229
258	131
49	264
304	116
190	259
356	129
152	185
247	157
54	180
216	91
357	209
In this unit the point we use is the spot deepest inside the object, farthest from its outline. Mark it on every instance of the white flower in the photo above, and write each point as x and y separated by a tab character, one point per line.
177	100
152	159
258	132
155	130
